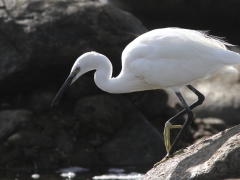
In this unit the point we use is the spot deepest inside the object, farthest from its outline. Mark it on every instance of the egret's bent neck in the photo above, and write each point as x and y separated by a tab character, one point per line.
125	82
103	76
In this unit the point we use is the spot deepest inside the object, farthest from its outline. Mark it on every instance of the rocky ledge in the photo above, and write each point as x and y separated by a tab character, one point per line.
216	157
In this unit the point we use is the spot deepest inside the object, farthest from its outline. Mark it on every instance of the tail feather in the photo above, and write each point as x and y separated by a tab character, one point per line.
230	69
228	57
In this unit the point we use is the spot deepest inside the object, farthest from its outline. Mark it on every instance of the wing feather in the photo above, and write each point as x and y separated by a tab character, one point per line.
170	57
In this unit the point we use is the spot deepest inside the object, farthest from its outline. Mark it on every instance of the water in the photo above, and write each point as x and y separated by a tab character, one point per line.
78	173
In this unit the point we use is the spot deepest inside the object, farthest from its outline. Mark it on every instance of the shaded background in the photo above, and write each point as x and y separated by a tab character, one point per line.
39	42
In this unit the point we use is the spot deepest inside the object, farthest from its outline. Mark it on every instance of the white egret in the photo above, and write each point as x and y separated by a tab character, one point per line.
161	58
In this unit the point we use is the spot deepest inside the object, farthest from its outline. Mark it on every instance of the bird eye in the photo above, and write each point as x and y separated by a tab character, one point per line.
77	69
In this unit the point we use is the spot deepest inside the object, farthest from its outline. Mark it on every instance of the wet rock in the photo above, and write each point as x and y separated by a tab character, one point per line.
136	138
213	158
11	120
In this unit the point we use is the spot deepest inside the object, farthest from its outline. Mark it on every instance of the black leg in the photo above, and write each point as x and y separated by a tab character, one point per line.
187	110
197	103
168	125
185	125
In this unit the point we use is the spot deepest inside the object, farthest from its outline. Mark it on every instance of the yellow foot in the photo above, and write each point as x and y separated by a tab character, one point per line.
166	134
168	157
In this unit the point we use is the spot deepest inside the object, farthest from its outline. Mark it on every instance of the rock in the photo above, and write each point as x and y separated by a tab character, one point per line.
40	101
63	142
30	139
51	35
221	98
84	86
81	158
11	156
47	159
100	113
152	103
11	120
137	142
213	158
207	127
211	123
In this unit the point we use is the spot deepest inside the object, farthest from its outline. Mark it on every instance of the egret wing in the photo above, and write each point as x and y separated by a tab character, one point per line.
174	59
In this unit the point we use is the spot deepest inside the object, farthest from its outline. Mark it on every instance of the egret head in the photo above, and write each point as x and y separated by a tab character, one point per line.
80	67
86	62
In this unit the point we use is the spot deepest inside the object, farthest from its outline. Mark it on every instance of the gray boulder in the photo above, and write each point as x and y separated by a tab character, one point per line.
214	158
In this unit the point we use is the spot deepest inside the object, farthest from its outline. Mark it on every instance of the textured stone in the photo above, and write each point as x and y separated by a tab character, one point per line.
214	158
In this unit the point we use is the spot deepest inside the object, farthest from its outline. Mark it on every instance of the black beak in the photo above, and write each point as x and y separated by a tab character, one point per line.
64	87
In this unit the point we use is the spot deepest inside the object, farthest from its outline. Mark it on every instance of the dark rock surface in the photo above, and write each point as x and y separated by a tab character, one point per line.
137	138
99	113
102	130
11	121
213	158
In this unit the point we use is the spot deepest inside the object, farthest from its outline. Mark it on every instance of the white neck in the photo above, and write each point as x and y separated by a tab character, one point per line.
103	76
125	82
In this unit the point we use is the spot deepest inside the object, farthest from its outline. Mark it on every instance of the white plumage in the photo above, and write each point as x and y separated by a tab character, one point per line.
162	58
173	57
